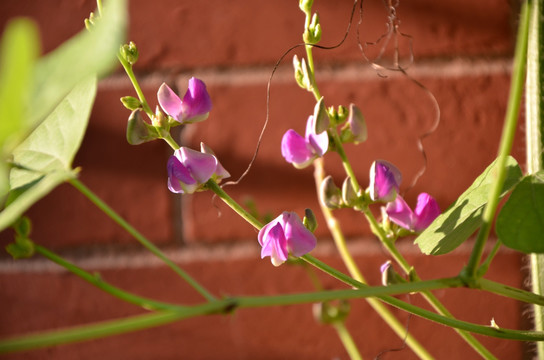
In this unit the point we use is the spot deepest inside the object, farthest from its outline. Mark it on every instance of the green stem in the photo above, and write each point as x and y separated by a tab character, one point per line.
534	135
482	270
138	236
507	138
95	280
225	306
136	85
212	185
347	340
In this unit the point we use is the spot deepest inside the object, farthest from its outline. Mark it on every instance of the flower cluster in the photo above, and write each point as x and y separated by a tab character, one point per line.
384	185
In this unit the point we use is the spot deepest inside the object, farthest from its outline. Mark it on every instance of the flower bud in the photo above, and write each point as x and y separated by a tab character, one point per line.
355	129
349	196
306	5
327	313
302	74
131	103
309	220
329	194
137	129
321	118
337	116
130	52
22	248
312	34
385	180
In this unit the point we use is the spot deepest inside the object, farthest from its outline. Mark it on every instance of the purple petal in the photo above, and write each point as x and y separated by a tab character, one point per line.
196	103
385	179
179	177
300	240
169	102
220	171
275	245
319	143
295	149
400	213
201	166
263	233
357	124
426	211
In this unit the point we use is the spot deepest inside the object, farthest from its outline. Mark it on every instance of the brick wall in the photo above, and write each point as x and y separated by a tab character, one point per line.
462	54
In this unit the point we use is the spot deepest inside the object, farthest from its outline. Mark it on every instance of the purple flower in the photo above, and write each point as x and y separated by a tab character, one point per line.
283	235
426	211
188	170
301	151
194	107
385	179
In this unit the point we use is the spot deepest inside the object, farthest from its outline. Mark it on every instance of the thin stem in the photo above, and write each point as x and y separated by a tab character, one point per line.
97	281
138	236
507	138
482	270
170	141
212	185
347	340
135	84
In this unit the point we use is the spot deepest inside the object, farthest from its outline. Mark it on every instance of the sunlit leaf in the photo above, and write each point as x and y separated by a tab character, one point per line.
455	225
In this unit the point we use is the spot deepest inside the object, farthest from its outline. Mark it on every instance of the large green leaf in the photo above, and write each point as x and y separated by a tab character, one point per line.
18	52
455	225
44	159
520	224
89	53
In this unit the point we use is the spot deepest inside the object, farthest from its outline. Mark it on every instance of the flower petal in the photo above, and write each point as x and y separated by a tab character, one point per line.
385	179
400	213
275	246
263	233
169	102
426	211
300	240
202	166
196	102
220	171
295	149
179	177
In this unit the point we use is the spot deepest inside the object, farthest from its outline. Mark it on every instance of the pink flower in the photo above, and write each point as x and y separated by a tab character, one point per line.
283	235
426	211
301	151
385	180
194	107
188	169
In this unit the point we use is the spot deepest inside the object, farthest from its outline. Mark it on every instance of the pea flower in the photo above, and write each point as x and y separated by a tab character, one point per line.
385	180
188	169
301	151
418	220
283	235
194	107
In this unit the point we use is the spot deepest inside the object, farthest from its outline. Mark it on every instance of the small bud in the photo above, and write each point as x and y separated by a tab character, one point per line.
321	118
22	248
329	194
327	313
131	103
309	221
355	128
389	275
130	53
349	196
302	74
22	226
337	116
306	5
137	129
312	34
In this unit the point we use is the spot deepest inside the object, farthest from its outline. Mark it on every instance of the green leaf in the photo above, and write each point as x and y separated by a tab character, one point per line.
44	159
18	52
520	224
455	225
89	53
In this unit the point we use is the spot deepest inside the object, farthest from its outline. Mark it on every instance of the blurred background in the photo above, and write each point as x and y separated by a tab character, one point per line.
461	52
